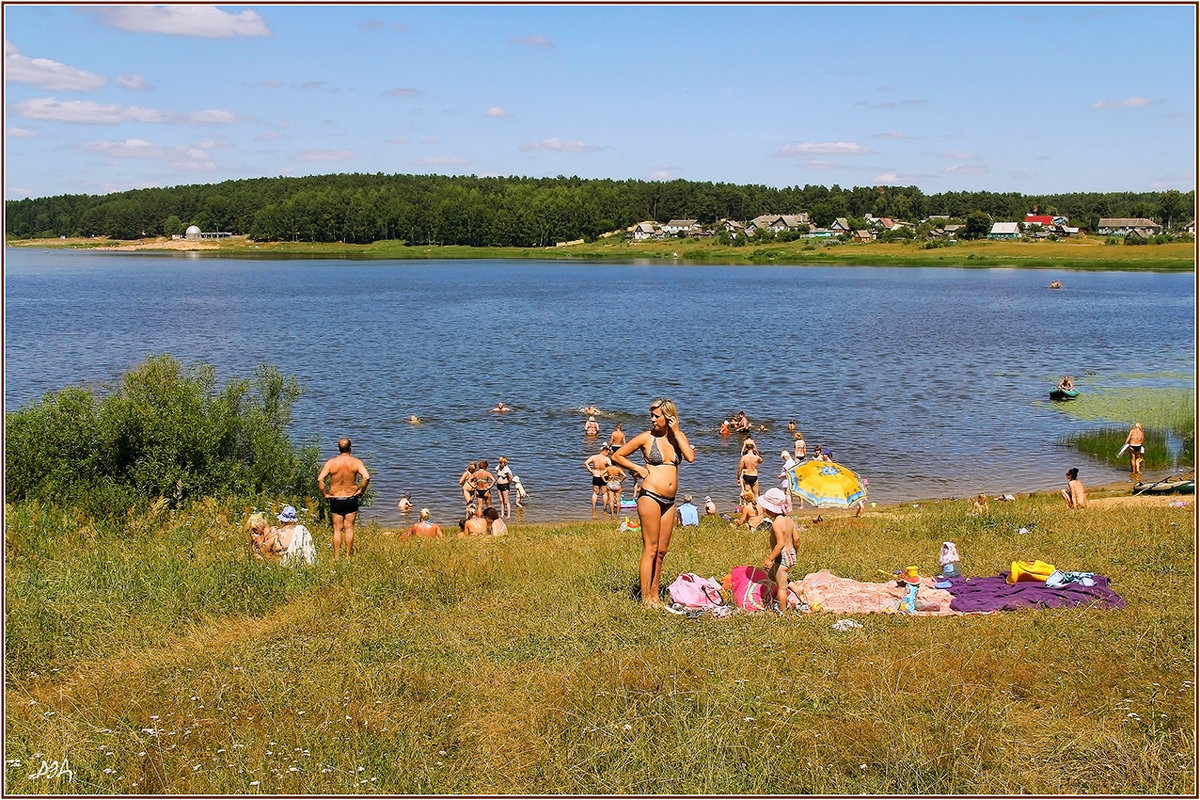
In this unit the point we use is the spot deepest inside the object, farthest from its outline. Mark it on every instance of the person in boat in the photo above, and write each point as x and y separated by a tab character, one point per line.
1055	285
664	447
500	408
591	427
1066	384
423	528
1136	442
1074	495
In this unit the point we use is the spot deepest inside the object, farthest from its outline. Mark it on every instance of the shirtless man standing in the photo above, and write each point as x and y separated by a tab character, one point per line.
596	465
343	472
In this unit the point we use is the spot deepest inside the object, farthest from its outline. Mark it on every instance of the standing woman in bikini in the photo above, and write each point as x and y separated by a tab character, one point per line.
664	446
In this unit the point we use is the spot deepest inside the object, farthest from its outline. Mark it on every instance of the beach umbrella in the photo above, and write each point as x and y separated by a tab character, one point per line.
826	484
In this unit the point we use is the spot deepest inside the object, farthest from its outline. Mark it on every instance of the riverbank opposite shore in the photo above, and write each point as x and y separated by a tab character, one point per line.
1083	253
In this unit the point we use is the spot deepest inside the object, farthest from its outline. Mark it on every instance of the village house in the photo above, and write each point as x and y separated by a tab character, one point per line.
643	231
840	225
732	227
1005	230
776	222
1126	226
677	226
864	236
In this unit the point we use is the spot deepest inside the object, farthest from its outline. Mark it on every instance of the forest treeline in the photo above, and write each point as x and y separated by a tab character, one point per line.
522	212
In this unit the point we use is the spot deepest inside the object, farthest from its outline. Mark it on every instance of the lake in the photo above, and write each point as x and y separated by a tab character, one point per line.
928	382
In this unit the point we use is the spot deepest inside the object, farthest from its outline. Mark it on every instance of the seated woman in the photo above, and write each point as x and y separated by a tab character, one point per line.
294	540
496	526
423	528
752	516
264	539
475	524
1066	384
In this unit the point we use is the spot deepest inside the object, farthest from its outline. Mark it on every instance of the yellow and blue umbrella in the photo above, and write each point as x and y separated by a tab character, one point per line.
826	484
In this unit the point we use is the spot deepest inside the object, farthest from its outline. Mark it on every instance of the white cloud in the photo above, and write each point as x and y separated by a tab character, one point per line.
86	112
182	20
317	154
497	111
133	82
441	161
574	146
89	112
21	133
403	92
47	74
212	116
661	174
178	156
1128	102
532	41
891	136
966	169
269	136
824	148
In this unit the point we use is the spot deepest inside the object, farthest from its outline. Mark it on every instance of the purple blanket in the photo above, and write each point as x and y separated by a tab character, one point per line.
993	594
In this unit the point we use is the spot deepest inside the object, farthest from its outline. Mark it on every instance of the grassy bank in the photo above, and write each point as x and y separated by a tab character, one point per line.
1089	253
1167	413
157	657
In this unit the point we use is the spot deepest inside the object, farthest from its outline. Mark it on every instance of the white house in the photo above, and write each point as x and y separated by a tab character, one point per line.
680	226
644	230
1005	230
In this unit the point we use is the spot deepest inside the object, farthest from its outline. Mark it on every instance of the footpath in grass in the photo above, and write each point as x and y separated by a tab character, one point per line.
154	656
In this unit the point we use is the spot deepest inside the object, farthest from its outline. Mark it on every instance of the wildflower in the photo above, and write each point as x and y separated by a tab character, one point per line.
628	727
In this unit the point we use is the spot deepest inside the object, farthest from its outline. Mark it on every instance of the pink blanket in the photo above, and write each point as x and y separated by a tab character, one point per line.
846	596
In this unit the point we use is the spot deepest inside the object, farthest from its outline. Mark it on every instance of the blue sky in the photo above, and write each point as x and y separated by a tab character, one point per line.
1031	99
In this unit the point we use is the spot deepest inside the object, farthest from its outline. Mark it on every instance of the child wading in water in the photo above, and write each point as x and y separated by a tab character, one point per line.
785	536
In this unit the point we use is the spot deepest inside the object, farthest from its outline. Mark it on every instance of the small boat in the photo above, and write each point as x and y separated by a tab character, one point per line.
1063	394
1179	484
1055	285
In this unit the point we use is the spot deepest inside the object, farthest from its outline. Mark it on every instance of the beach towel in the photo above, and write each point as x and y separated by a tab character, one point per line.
996	594
825	591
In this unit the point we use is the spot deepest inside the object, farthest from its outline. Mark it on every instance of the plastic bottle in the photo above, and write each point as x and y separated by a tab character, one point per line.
950	561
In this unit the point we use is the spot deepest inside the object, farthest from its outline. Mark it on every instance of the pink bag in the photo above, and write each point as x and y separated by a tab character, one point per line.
692	591
753	588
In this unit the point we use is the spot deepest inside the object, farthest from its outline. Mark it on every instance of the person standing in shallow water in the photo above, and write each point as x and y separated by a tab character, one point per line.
344	472
663	447
1136	442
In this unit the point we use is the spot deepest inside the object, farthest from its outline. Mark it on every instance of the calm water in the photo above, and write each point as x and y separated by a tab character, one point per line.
928	382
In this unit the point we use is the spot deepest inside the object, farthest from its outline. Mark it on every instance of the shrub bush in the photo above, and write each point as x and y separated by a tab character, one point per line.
162	431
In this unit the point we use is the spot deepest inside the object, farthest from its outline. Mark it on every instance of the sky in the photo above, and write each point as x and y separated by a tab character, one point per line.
1033	99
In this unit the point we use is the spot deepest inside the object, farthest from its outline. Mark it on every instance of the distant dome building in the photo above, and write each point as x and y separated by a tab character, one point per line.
193	232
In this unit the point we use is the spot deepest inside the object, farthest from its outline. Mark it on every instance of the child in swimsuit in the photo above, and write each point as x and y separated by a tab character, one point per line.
784	539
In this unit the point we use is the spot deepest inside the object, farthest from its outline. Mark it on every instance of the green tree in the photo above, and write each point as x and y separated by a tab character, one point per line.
978	226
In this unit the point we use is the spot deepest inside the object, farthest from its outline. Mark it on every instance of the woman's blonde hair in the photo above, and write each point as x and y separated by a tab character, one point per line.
255	521
667	406
424	513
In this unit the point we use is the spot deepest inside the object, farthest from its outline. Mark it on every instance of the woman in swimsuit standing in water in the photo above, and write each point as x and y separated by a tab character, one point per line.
664	446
